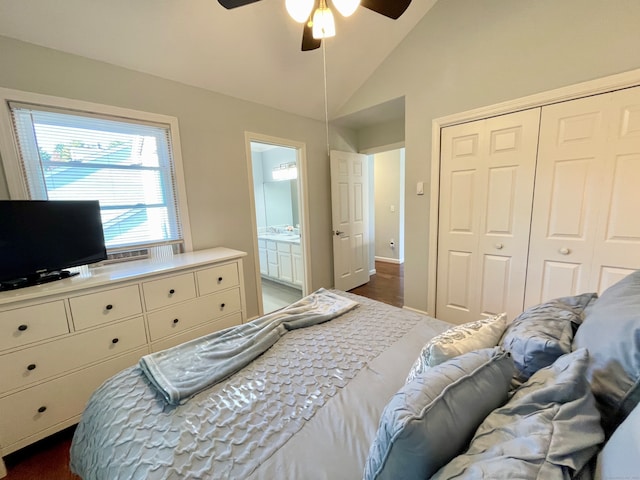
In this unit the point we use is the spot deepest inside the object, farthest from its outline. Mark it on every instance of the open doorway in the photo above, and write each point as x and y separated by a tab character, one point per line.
388	200
386	228
276	172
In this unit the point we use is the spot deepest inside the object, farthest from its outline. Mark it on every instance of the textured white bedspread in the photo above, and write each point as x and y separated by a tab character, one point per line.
307	408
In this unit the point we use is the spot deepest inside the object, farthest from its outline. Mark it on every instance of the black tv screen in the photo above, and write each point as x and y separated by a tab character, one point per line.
42	236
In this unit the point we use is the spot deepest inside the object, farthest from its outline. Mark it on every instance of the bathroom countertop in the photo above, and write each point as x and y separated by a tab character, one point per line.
280	237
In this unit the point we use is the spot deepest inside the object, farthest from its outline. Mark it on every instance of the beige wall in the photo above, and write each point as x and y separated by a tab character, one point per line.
387	174
212	130
466	54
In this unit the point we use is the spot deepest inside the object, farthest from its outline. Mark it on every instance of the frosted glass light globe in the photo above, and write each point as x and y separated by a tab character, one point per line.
346	7
299	9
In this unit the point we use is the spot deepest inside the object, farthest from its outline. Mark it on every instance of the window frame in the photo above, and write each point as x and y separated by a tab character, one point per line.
9	150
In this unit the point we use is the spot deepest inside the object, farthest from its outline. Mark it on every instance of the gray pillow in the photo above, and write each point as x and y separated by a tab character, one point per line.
549	429
544	332
484	333
620	457
611	333
431	419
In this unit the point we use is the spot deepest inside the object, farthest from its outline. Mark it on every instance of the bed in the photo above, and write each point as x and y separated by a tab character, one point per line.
380	392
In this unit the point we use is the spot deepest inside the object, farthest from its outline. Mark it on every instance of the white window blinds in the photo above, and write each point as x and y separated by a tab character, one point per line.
125	164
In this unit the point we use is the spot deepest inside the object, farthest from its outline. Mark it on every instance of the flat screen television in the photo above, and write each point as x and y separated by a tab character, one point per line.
40	238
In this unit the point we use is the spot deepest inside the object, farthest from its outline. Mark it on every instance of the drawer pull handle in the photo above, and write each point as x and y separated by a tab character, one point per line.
222	305
172	291
115	340
176	320
219	279
109	307
22	328
31	366
42	409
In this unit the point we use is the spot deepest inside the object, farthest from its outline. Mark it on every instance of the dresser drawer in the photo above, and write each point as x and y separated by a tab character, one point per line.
43	406
106	306
169	291
25	325
295	248
182	317
24	367
271	245
217	278
205	329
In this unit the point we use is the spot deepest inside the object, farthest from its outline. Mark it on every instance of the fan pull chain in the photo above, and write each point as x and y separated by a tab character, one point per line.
326	103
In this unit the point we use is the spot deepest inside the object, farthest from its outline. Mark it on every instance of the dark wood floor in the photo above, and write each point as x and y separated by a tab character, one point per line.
387	285
49	458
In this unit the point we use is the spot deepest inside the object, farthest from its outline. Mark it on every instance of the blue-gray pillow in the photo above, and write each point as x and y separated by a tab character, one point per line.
620	457
431	419
611	333
544	332
548	430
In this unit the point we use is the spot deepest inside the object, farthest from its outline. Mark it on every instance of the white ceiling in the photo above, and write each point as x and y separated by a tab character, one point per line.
251	52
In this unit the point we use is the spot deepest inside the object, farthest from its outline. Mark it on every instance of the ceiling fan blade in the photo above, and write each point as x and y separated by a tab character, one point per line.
229	4
388	8
308	42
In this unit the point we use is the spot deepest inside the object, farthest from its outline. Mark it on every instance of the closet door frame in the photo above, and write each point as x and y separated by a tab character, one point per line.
572	92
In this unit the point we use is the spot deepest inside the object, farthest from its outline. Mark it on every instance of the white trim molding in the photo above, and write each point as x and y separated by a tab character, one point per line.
563	94
303	198
389	260
11	157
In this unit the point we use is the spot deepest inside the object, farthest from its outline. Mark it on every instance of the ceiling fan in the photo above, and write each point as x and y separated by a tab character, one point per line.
318	17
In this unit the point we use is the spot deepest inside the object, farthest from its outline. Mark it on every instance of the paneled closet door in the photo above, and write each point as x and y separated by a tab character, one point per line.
617	242
486	189
585	233
567	192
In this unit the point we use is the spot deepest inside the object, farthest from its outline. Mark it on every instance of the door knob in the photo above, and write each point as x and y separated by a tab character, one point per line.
564	251
499	246
338	233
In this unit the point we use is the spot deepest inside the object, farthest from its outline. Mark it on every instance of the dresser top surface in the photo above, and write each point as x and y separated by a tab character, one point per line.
121	272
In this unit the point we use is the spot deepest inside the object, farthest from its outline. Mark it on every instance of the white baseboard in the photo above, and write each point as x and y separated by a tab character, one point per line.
416	310
388	260
372	271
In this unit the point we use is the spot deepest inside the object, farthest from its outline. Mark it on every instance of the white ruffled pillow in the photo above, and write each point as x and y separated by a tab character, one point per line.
465	338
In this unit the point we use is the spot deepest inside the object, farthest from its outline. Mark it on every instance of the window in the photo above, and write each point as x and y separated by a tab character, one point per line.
127	164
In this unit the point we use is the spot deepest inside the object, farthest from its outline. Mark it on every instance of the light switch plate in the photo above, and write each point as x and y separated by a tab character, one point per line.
420	188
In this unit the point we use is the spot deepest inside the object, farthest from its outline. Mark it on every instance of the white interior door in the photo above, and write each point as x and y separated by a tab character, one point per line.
350	206
585	231
486	189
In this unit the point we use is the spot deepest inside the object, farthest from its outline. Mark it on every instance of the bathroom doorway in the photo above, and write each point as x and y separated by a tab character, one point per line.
277	175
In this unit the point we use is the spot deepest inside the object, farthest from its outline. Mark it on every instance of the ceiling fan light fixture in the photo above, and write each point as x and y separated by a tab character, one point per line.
299	10
324	25
346	7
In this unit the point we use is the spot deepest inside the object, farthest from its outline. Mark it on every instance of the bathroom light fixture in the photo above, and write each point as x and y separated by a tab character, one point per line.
284	171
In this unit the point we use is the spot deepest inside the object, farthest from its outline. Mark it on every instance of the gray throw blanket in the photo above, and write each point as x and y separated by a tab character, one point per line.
182	371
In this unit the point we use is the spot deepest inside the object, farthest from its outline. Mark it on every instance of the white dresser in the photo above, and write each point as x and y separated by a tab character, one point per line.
59	341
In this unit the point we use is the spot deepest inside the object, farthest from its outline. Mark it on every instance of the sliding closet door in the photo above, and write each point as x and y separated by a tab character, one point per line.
486	187
585	232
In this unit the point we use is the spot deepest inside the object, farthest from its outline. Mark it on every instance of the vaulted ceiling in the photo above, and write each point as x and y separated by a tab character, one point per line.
251	52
